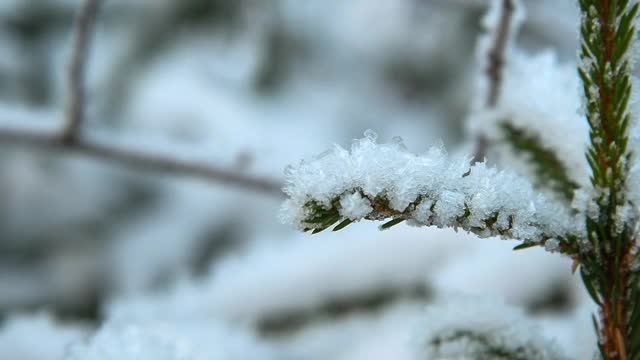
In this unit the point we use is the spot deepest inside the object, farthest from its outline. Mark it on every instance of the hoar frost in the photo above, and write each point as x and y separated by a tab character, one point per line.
354	206
384	181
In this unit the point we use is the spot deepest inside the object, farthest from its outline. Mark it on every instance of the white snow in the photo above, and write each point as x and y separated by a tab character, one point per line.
37	337
156	340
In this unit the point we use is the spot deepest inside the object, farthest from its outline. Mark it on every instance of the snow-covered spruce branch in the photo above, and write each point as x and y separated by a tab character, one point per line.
610	262
383	181
69	137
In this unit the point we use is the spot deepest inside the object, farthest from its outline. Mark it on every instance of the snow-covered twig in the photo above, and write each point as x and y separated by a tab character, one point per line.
383	181
76	101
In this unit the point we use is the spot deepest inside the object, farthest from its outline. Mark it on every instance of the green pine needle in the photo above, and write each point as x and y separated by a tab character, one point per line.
392	223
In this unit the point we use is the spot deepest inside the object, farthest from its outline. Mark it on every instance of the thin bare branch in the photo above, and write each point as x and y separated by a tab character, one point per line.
69	139
497	52
136	158
494	70
77	69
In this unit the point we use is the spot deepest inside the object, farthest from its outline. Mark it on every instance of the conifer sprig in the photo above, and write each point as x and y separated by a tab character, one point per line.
375	181
607	34
608	30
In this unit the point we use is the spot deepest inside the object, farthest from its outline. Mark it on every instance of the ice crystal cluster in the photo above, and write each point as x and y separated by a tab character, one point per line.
384	181
481	328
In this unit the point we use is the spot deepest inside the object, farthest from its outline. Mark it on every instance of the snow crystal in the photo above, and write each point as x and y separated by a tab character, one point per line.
470	328
449	206
354	206
552	245
423	211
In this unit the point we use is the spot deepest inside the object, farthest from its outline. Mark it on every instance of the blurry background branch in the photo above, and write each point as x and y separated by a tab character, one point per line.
495	58
134	157
496	54
69	139
77	68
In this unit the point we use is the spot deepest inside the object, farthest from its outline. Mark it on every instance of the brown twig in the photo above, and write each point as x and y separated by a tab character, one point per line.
69	139
494	70
137	158
77	69
496	54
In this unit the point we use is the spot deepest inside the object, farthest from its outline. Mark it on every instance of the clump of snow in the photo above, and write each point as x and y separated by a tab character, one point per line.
36	337
479	199
470	328
355	206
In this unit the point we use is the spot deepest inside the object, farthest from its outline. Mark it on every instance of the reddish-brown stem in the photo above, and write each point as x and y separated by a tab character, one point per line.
613	311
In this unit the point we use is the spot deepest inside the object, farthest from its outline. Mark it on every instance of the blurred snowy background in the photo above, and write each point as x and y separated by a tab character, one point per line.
134	263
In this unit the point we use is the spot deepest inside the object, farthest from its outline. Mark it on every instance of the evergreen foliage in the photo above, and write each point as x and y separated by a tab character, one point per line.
609	258
597	225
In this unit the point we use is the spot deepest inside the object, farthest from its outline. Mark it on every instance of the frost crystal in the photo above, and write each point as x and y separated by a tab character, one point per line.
379	181
354	206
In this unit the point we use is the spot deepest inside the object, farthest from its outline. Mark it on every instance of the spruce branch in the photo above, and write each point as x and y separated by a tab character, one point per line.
550	172
384	182
607	33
